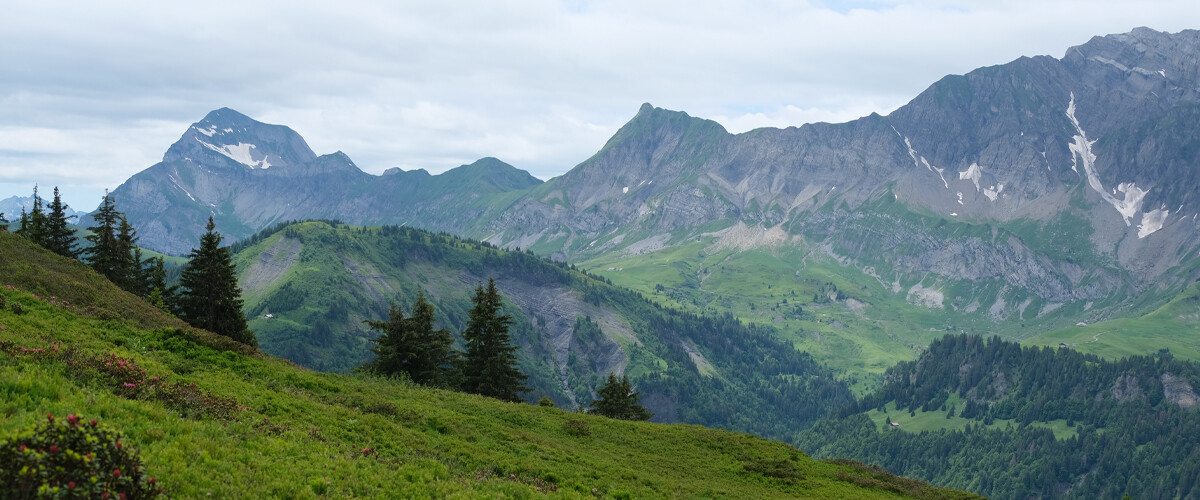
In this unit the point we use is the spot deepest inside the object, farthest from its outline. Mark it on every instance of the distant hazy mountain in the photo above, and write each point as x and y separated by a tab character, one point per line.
250	175
11	208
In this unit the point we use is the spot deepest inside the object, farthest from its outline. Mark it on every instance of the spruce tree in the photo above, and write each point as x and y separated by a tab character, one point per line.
129	259
210	297
619	400
155	278
3	223
104	254
60	238
24	223
33	223
412	346
490	367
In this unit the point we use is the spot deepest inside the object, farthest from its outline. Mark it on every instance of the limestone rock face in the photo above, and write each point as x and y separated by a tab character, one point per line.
1068	179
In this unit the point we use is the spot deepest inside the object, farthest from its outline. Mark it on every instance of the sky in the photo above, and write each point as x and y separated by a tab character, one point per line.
94	92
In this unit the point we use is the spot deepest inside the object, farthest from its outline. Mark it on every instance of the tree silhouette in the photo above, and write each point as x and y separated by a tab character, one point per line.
60	238
490	367
619	400
211	298
411	345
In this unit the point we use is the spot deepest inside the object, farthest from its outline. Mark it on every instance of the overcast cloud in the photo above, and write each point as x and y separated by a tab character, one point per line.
93	92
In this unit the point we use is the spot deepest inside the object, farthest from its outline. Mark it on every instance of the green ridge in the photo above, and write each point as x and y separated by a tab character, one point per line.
302	434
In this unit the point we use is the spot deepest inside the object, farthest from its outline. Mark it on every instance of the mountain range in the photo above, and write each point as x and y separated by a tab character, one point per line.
1066	178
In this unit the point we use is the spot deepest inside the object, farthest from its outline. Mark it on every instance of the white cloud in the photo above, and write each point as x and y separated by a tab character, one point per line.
96	91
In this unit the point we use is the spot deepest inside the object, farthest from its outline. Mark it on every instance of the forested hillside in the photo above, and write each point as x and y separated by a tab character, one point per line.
318	281
1029	422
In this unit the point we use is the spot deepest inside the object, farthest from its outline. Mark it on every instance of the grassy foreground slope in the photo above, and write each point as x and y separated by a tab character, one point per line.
255	426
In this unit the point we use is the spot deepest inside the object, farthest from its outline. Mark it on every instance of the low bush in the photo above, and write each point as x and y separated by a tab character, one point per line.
71	459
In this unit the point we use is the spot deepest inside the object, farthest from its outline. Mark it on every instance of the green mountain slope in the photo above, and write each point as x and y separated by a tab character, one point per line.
252	426
1173	327
1009	421
309	287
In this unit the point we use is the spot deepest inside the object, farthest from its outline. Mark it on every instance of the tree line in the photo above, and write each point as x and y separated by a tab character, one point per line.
411	347
1132	424
208	296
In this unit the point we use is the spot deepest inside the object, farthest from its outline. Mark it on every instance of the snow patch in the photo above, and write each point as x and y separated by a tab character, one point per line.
180	186
1152	221
973	173
993	192
208	132
239	153
1081	153
960	198
625	190
1162	73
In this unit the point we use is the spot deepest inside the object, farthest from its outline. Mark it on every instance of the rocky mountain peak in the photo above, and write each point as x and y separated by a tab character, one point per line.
1146	52
226	138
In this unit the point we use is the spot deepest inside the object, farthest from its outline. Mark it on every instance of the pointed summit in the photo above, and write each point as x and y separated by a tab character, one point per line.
226	138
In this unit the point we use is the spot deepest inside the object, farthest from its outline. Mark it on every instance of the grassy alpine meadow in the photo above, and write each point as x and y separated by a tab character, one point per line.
1172	326
214	421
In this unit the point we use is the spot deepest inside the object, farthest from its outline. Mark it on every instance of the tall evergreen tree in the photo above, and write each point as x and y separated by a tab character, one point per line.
155	277
619	400
129	259
490	367
60	238
3	223
23	224
412	346
104	254
33	224
211	298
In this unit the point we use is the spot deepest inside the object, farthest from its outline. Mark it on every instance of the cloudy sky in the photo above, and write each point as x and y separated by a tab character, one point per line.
93	92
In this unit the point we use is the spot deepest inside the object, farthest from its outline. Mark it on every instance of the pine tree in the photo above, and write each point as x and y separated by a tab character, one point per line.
3	223
129	259
411	345
33	224
619	400
155	278
490	367
24	223
104	254
211	298
60	238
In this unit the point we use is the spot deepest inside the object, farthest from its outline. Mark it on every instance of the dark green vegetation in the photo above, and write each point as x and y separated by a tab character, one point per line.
319	280
412	347
70	458
1029	422
490	362
619	400
210	298
211	416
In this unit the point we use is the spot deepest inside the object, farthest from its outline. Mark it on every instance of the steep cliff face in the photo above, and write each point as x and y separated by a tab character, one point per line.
1083	167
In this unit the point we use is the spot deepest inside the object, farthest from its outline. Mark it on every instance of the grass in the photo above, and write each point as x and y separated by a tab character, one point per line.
1172	326
303	434
935	420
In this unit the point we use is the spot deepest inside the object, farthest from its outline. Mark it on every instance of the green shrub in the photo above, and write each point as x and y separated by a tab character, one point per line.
71	459
577	428
17	309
